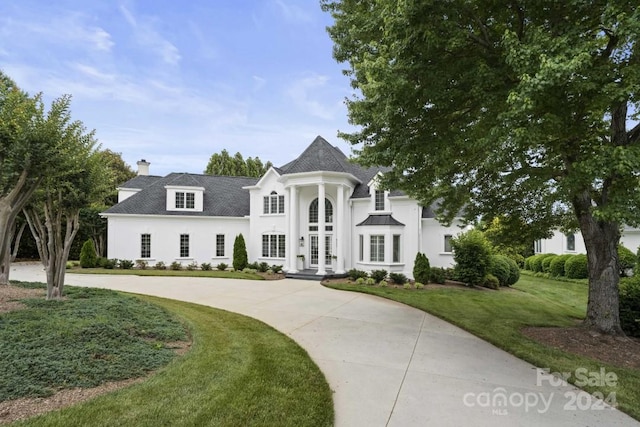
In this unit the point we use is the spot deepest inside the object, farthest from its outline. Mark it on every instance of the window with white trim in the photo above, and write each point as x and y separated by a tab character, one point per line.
219	244
273	204
273	245
376	253
537	246
361	248
447	243
328	215
145	246
185	200
396	248
184	246
379	200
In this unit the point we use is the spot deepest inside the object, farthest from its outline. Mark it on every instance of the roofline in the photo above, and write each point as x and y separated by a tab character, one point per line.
286	176
107	215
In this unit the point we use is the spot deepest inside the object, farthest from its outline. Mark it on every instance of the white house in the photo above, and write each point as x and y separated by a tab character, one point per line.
573	243
195	218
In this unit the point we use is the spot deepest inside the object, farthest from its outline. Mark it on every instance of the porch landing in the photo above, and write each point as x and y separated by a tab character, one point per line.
310	274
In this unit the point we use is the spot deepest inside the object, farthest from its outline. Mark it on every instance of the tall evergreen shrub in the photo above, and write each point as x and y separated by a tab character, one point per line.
472	254
421	268
88	256
240	258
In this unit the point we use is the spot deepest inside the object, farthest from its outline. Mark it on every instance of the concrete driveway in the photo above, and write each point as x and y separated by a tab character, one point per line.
388	364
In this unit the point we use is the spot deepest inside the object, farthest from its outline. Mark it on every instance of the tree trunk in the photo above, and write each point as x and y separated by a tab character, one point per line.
601	240
11	253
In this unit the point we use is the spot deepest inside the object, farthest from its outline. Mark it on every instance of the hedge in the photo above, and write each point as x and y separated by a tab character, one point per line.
576	267
557	265
630	306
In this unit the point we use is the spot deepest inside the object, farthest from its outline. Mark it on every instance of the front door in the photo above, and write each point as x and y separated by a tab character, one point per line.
313	248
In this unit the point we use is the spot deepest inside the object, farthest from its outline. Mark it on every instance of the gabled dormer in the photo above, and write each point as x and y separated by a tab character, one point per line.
379	196
184	198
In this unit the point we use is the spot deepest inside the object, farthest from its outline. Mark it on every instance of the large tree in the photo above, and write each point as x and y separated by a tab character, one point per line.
53	214
512	109
27	155
223	164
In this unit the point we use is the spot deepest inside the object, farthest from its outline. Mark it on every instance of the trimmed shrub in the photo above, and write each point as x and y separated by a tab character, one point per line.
205	266
88	257
354	274
536	262
437	275
369	281
626	260
527	262
222	266
101	262
383	284
160	265
240	258
499	268
398	278
630	306
407	286
276	268
378	275
490	281
360	281
110	264
449	273
546	263
126	264
556	267
472	253
263	267
192	266
418	285
176	266
514	272
421	268
576	267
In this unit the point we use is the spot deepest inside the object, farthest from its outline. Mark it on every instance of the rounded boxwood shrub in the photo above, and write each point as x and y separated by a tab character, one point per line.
490	281
630	306
514	272
576	267
556	268
472	254
378	275
535	263
546	262
499	267
88	257
626	260
527	262
437	275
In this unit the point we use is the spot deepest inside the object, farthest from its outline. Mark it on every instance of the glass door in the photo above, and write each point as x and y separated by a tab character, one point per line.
314	254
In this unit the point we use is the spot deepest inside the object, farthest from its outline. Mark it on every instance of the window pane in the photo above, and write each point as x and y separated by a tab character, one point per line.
184	245
328	211
191	200
145	246
280	204
281	246
361	248
220	245
396	248
447	243
571	242
265	246
379	200
273	246
274	204
313	212
377	249
179	200
265	205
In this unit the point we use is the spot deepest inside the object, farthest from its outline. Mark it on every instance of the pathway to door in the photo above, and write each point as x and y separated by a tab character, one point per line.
388	364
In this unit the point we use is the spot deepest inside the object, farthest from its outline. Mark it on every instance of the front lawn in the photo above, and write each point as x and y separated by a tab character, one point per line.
239	371
499	316
180	273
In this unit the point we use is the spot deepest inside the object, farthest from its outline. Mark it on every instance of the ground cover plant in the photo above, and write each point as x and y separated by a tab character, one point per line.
169	272
503	317
238	371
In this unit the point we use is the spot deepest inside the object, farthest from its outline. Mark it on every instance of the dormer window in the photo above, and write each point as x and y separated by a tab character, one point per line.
273	204
379	200
185	200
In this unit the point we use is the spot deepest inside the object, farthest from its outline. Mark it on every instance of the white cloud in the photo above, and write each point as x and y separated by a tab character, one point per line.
148	37
293	12
302	92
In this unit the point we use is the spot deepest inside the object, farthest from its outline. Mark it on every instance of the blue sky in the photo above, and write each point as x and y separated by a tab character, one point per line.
174	82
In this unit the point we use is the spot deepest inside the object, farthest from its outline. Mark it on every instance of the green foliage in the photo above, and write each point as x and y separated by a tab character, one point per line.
224	164
556	268
276	268
490	281
141	264
575	267
126	264
378	275
546	262
626	260
88	257
630	306
437	275
418	285
176	266
221	266
355	274
514	272
500	269
110	264
360	280
398	278
369	281
263	267
421	268
192	266
206	266
160	265
472	254
240	258
535	262
93	336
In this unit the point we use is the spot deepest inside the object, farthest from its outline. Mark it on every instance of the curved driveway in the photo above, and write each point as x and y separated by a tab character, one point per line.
388	364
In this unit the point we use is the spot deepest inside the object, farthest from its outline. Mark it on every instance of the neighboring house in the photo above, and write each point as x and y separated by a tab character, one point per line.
573	243
196	218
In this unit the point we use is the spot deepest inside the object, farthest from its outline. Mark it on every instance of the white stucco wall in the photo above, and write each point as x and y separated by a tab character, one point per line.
557	244
124	231
125	193
433	241
630	238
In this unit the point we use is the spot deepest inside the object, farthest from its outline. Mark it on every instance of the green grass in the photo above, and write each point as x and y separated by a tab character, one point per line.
239	371
180	273
498	317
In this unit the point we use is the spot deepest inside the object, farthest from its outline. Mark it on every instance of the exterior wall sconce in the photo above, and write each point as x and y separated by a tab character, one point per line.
301	241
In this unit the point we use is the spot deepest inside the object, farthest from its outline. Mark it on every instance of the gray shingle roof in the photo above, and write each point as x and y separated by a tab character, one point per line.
223	196
140	181
380	220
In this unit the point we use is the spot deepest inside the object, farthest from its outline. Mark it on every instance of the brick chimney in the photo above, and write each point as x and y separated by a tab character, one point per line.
143	167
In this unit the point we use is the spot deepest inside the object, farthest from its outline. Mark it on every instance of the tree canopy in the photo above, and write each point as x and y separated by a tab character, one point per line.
516	110
223	164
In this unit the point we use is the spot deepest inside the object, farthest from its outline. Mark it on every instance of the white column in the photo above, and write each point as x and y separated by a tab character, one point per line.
341	240
293	230
321	231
